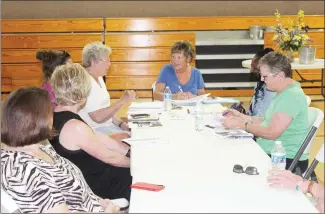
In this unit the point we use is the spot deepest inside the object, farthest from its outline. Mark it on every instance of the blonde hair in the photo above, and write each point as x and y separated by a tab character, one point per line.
94	51
71	84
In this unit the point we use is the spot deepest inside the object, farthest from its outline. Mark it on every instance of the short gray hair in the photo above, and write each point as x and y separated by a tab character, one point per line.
277	62
71	84
94	51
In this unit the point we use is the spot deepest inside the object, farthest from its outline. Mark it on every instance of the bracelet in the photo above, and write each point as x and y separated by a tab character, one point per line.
246	123
298	184
246	126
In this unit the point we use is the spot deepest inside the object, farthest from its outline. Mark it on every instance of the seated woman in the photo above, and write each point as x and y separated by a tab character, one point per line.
262	96
286	179
286	119
35	176
103	161
183	80
50	60
98	113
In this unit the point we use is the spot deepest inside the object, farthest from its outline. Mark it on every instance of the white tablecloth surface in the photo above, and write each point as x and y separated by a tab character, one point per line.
196	169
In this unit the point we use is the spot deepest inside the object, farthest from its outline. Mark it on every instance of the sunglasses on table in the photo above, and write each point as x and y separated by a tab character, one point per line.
250	170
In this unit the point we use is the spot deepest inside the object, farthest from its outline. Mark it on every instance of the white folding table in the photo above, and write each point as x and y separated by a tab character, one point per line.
196	169
318	64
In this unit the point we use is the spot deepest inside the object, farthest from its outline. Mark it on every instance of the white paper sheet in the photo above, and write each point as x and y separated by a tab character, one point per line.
191	101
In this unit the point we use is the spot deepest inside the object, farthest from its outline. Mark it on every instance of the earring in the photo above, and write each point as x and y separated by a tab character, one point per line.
188	64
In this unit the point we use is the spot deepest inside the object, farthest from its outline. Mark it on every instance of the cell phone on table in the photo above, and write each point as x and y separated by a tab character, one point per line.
147	186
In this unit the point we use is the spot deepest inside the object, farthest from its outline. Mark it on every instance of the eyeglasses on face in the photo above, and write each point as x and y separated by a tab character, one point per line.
266	76
250	170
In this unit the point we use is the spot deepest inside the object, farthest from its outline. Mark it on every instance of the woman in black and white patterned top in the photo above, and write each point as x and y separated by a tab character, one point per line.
35	176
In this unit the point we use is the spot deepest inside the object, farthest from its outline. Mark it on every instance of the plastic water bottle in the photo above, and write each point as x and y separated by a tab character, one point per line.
167	99
278	156
199	113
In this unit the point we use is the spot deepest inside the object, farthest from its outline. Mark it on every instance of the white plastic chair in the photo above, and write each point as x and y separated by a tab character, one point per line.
308	100
153	89
315	119
7	204
319	158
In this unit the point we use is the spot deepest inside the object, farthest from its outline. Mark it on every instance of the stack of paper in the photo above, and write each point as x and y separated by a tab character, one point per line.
210	109
146	105
146	108
191	101
212	100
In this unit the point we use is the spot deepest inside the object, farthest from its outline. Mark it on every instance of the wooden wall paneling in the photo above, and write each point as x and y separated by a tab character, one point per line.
51	25
130	82
33	70
139	94
147	40
140	55
29	55
135	68
200	23
35	41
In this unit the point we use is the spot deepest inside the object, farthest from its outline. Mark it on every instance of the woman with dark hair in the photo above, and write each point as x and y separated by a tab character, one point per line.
183	80
33	175
262	96
50	60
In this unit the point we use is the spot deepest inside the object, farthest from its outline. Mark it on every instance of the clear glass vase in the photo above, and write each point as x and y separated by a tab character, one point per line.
307	55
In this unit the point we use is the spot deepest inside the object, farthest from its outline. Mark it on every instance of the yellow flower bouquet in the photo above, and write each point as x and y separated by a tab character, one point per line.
292	35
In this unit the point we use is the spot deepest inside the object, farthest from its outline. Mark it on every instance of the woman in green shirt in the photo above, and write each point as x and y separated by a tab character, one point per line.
286	119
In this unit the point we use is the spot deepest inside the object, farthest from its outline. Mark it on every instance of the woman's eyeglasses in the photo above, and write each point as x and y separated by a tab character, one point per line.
250	170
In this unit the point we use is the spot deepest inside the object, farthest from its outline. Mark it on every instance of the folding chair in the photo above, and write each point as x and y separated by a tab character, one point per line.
7	204
315	119
153	89
308	100
319	158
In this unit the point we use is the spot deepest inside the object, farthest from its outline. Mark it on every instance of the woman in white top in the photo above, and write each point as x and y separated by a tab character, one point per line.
98	112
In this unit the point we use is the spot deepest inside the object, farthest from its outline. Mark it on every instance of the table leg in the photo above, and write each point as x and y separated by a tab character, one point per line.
301	77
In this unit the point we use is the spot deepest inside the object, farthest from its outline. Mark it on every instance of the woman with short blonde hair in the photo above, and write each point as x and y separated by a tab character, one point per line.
71	84
103	161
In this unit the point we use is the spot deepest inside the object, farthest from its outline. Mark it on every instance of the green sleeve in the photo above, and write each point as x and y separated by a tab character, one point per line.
290	105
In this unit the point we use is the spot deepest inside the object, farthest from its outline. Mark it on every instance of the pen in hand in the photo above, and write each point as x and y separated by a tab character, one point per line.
180	89
225	113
